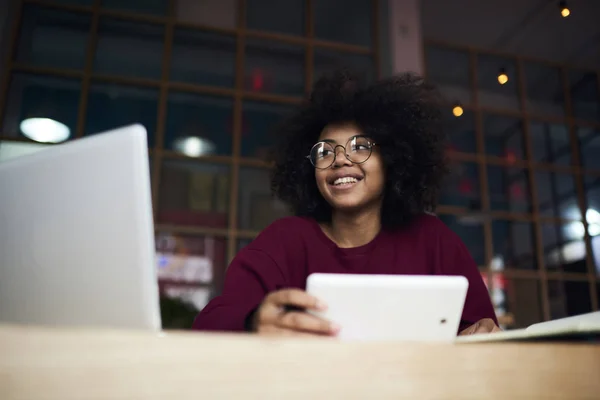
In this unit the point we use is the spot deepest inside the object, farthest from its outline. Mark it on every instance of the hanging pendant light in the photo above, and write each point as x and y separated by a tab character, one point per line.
564	9
502	76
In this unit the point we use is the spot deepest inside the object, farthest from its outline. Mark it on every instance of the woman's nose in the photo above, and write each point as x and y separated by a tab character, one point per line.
340	157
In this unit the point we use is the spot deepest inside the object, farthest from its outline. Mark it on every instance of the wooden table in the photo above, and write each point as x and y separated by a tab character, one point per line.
52	363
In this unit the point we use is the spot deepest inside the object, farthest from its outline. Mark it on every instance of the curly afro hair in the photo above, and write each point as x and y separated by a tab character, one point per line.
401	114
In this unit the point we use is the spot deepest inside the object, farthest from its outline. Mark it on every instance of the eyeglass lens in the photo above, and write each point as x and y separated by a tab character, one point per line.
357	150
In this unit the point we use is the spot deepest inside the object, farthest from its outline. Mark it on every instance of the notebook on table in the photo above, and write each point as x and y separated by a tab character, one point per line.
579	328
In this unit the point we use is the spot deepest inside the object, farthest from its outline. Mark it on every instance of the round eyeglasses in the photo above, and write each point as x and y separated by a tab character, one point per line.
357	150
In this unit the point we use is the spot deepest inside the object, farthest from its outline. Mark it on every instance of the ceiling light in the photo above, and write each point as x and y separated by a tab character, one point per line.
502	77
574	230
593	219
457	110
564	10
194	146
592	216
45	130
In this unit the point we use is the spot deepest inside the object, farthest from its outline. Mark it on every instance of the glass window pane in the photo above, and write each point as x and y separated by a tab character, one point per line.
179	304
129	49
257	207
450	70
194	194
584	95
327	61
243	243
564	248
592	199
556	195
199	125
344	21
508	189
596	249
513	244
274	67
568	298
276	16
461	188
552	243
215	13
491	92
550	143
53	38
471	234
192	49
111	106
522	298
190	259
461	131
498	297
154	7
259	121
589	147
504	137
75	2
38	96
544	90
592	191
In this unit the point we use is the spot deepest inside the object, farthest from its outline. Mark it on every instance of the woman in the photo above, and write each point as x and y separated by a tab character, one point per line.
361	167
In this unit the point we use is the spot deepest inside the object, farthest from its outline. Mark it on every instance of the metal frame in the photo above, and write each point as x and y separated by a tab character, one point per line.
159	153
575	170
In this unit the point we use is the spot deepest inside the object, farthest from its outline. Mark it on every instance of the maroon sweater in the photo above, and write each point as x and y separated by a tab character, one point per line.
290	249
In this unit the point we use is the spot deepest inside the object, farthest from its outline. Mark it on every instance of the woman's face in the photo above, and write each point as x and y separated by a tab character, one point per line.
345	185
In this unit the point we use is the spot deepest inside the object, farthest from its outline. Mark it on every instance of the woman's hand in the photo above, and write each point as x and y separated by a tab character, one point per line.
485	325
273	316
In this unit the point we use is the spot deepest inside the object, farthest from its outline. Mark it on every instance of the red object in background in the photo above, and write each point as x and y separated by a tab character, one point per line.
258	80
516	191
465	186
484	276
499	281
204	219
511	156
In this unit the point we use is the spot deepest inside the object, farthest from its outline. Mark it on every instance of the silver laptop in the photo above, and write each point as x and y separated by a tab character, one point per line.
77	236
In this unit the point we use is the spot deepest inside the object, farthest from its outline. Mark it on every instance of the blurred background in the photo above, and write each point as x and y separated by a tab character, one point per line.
210	78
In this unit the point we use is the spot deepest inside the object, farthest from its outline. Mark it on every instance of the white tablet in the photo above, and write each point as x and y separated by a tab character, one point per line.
424	308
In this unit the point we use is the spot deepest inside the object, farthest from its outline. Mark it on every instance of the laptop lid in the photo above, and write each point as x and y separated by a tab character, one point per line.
77	236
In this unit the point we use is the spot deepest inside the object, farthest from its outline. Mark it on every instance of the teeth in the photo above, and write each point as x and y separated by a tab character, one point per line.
342	181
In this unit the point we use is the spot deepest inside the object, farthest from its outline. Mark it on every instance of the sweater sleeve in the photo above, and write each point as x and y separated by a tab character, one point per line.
252	274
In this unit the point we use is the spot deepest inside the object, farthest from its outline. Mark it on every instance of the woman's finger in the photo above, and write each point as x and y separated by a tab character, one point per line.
306	322
485	325
297	298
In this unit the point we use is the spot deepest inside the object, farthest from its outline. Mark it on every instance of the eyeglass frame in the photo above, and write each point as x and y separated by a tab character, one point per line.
373	144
